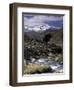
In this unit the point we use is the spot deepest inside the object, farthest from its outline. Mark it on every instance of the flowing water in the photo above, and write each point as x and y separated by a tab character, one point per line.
55	65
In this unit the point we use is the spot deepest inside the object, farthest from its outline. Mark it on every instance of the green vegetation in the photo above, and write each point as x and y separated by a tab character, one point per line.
36	68
59	58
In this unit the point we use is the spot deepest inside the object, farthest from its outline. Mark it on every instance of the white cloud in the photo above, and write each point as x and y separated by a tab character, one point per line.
40	19
38	22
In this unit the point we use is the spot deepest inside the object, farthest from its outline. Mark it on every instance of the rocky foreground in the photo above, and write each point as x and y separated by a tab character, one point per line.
41	57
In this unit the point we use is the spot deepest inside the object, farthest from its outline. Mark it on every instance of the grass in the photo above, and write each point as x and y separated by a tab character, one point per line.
59	57
36	69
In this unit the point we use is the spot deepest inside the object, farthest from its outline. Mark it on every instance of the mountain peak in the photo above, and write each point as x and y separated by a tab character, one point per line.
39	28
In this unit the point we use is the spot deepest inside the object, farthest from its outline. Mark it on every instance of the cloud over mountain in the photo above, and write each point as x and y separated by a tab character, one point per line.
39	22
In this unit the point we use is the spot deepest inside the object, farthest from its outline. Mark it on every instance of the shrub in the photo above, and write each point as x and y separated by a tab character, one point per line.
36	68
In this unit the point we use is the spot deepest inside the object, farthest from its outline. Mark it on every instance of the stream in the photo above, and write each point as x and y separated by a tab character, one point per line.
55	65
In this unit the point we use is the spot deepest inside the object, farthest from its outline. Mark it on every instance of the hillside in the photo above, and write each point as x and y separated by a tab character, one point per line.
56	36
42	48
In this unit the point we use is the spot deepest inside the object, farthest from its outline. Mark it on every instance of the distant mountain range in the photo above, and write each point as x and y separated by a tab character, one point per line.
43	27
56	35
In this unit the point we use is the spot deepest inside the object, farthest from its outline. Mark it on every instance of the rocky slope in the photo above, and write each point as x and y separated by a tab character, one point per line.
44	48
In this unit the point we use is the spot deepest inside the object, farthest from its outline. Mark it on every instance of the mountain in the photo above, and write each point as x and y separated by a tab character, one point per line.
40	28
56	35
56	23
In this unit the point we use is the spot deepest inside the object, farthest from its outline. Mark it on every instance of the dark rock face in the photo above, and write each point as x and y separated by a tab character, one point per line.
47	38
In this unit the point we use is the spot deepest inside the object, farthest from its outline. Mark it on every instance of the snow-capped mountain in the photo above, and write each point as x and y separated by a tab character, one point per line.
39	28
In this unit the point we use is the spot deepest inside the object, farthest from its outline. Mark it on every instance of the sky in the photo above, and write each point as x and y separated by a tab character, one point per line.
33	20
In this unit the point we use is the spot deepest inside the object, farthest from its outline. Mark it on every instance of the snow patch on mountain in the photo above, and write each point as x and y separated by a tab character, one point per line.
40	27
